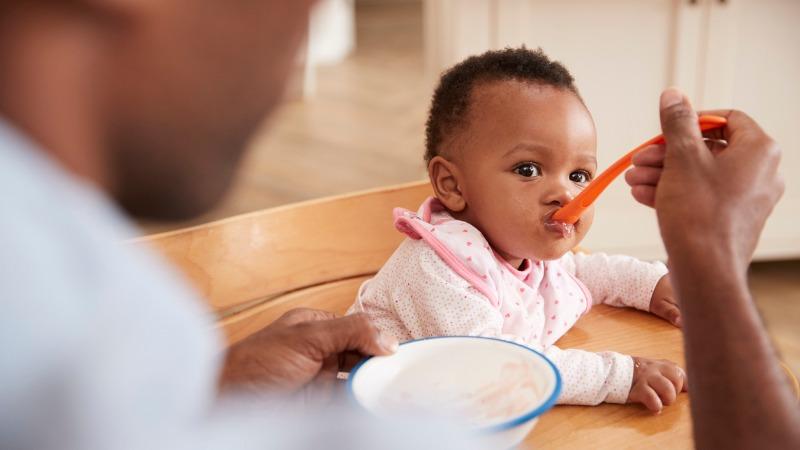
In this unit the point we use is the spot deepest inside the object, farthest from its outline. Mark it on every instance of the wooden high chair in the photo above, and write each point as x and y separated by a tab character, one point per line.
254	267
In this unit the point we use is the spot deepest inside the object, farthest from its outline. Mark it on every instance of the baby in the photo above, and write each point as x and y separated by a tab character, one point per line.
509	141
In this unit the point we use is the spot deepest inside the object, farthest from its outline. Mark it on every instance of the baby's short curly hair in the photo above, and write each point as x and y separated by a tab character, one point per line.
450	101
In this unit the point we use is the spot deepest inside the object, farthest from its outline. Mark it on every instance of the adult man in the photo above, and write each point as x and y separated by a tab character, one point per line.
145	106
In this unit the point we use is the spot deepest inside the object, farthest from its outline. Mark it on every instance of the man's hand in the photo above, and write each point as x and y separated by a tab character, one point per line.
656	382
708	201
711	207
664	304
304	347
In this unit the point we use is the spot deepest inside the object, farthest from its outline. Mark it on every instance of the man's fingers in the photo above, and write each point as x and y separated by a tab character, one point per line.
299	315
643	175
348	360
351	333
680	127
327	373
717	133
644	194
743	135
738	123
650	156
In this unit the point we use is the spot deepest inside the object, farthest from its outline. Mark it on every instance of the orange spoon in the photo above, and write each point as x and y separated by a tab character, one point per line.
571	212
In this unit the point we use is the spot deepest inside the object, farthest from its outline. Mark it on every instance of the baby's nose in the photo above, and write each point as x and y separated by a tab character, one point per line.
560	196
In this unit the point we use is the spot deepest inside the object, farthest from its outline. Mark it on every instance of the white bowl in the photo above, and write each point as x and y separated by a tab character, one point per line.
498	387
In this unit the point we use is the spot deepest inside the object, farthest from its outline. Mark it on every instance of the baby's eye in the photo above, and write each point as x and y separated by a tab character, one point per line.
528	170
580	176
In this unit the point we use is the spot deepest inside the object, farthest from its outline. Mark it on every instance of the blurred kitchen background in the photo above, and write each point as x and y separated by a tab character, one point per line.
356	107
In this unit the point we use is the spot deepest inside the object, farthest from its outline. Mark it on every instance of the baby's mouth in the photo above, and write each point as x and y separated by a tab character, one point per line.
563	229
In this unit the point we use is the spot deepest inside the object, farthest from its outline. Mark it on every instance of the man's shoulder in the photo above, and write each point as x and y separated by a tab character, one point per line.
62	240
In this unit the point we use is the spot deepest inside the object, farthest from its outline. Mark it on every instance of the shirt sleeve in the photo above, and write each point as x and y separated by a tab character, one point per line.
616	280
592	378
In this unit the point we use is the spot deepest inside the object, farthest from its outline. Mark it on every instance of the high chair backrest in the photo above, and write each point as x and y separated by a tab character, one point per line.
253	267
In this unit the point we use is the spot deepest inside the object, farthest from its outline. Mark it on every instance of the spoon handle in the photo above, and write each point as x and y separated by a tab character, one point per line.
571	212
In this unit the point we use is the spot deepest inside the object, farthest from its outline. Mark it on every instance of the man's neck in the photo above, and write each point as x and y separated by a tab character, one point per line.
48	87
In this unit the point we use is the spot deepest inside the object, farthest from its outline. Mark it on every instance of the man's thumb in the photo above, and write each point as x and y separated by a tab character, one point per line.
679	125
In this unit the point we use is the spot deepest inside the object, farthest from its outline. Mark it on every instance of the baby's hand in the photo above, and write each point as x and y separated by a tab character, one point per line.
663	303
656	382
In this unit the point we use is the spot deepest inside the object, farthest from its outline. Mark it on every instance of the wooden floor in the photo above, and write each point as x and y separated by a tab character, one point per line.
364	128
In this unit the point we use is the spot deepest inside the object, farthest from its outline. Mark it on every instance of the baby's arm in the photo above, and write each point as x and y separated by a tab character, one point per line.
592	378
616	280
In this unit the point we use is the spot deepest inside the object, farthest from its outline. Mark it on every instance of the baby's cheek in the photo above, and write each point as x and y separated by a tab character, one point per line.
584	225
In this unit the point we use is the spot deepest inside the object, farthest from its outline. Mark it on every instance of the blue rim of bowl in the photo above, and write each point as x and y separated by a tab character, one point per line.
511	423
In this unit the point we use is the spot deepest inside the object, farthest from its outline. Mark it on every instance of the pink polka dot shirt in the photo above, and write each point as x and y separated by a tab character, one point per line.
445	279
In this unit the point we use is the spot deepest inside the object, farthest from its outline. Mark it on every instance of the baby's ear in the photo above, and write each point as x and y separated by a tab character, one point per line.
445	178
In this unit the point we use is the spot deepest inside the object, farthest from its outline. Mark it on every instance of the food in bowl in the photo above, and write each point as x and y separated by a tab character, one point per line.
498	388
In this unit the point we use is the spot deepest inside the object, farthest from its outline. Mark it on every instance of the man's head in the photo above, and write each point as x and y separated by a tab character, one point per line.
182	84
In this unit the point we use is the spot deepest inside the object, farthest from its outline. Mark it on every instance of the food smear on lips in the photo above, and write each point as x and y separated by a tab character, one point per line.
564	229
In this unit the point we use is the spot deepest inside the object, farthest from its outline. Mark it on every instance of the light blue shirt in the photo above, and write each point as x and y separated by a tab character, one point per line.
103	346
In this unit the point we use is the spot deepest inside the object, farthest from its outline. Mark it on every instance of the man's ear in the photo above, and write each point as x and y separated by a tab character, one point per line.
445	179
